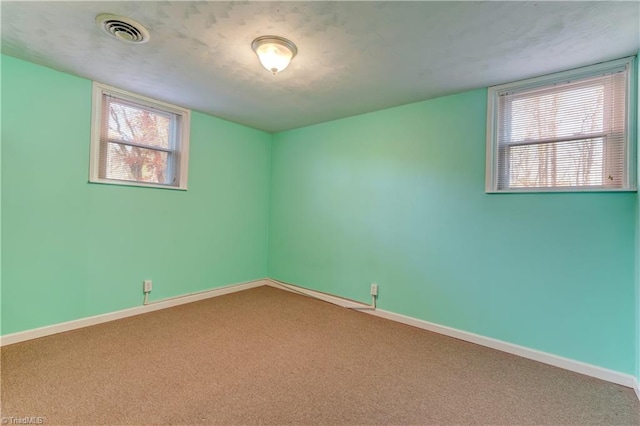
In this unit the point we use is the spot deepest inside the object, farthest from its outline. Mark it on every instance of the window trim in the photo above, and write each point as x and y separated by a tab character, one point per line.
97	117
492	151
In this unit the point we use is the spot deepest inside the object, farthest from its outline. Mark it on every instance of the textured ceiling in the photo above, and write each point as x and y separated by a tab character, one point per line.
354	57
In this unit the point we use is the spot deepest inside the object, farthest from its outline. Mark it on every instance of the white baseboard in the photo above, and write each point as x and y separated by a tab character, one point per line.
112	316
544	357
536	355
340	301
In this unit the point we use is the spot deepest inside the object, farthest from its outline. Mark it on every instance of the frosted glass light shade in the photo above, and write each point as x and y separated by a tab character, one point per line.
275	53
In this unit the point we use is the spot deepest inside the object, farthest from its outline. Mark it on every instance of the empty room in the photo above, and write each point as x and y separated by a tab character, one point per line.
346	213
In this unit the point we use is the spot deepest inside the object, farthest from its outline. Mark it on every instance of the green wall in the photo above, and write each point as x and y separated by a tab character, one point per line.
397	197
394	197
0	196
638	226
73	249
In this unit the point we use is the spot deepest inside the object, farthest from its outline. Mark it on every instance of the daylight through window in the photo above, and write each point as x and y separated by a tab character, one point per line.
138	141
564	132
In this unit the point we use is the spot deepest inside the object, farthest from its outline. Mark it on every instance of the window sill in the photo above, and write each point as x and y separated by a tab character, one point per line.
559	190
136	184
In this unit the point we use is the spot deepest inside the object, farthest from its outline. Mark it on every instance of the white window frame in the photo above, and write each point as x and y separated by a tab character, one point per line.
492	151
181	140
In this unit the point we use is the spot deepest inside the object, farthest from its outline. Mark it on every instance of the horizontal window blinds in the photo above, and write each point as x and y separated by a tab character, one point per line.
137	143
570	134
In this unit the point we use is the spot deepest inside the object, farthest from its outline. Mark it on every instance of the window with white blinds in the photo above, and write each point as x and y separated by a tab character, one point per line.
138	141
565	132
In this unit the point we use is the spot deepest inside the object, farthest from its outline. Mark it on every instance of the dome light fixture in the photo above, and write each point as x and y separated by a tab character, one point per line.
274	52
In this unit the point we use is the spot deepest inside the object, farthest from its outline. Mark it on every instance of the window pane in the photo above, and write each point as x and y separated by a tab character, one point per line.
126	162
130	124
558	114
567	131
559	164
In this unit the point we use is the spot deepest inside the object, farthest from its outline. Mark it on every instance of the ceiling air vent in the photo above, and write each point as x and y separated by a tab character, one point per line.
125	29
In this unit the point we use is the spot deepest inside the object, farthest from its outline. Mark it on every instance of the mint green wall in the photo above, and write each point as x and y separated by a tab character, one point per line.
73	249
0	195
394	197
638	226
397	197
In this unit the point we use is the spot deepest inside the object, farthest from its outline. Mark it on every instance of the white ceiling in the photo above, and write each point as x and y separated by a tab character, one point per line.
354	57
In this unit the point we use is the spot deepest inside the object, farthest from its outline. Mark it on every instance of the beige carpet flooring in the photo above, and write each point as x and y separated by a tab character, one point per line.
266	356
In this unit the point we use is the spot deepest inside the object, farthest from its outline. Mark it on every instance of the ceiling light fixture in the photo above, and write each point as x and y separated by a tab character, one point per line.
274	52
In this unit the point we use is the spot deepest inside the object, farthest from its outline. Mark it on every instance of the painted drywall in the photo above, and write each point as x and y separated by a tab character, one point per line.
73	249
397	197
394	197
637	251
0	194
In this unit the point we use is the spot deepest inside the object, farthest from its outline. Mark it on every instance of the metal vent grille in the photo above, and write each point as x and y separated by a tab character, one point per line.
124	29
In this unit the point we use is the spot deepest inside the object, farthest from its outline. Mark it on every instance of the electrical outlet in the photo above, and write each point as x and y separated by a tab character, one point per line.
147	286
374	289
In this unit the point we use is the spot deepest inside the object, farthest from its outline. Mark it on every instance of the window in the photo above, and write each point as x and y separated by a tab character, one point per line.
564	132
138	141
